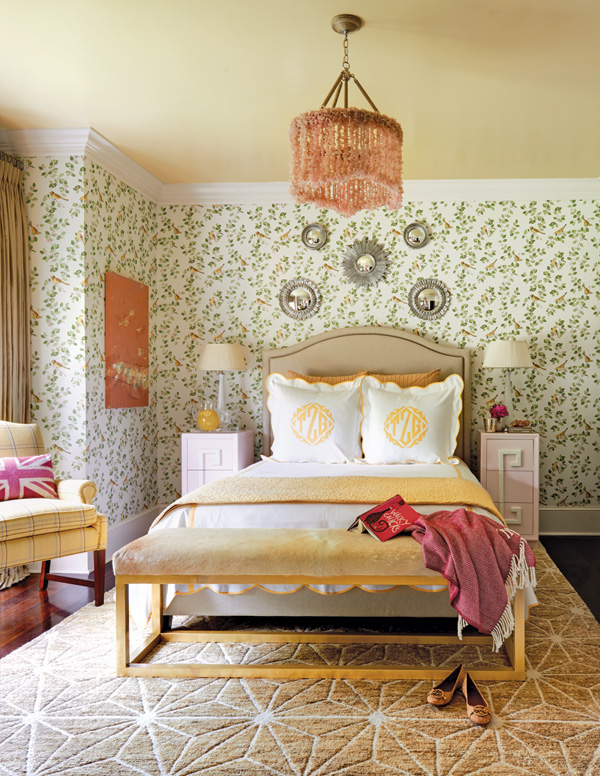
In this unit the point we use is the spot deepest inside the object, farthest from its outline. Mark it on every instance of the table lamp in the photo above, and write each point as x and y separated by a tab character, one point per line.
221	358
507	355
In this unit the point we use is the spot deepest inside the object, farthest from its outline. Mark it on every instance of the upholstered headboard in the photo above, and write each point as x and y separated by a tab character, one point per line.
374	349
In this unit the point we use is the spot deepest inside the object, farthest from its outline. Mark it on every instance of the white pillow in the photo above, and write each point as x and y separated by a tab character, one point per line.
410	425
314	421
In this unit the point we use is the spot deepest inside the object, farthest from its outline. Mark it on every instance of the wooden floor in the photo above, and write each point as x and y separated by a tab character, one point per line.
25	612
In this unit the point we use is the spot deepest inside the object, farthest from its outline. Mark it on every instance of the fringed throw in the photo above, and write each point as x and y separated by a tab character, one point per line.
484	563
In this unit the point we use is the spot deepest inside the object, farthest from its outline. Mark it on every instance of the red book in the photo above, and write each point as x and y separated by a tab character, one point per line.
386	520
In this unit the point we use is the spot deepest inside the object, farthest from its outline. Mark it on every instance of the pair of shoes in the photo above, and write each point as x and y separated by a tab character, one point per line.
478	710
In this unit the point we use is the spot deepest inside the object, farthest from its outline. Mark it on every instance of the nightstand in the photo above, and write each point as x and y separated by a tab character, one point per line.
509	471
207	456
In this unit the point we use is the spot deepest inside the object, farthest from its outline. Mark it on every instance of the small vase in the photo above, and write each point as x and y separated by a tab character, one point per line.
499	426
489	424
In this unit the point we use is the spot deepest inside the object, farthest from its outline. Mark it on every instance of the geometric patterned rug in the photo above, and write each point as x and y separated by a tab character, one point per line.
64	713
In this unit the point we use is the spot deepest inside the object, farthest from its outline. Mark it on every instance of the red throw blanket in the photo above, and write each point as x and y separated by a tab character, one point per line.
484	563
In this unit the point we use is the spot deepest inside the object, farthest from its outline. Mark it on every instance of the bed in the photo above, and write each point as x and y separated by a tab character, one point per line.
345	352
376	350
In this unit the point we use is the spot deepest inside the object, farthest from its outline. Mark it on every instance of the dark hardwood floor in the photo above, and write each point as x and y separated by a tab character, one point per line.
578	558
25	612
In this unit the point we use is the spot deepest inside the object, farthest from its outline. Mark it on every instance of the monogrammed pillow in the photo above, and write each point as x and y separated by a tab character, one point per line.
314	422
410	425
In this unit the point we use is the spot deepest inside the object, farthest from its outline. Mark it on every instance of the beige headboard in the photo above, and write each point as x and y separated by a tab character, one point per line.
374	349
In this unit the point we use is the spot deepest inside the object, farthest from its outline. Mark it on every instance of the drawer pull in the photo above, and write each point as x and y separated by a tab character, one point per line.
518	511
516	462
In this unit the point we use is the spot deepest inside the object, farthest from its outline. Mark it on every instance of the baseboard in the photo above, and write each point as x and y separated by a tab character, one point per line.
570	521
118	536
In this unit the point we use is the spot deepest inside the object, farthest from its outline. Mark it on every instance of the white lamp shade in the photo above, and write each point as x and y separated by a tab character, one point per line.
221	357
507	355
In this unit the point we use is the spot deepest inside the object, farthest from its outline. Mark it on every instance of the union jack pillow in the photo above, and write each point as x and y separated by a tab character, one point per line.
30	477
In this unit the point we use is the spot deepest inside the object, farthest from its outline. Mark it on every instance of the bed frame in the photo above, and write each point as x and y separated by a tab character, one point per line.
381	350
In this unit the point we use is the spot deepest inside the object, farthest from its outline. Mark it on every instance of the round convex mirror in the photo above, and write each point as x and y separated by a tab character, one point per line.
429	299
314	236
365	263
416	235
300	298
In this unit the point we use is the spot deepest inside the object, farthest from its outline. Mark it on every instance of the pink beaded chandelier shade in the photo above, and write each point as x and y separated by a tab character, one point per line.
346	159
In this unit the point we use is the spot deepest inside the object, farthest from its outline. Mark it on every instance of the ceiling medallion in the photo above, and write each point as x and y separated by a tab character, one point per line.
347	159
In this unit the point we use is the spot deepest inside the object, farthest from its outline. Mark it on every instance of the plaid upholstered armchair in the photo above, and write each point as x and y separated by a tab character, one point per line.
42	519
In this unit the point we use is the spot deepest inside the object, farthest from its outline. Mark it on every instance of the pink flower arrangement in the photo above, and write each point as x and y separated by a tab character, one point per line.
499	411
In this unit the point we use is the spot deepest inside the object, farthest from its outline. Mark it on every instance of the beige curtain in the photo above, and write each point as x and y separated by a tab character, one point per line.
14	295
14	311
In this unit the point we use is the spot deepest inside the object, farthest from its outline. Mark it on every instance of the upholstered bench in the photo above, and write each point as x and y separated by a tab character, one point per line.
193	556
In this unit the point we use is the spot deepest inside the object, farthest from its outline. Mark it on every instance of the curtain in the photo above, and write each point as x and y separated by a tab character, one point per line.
14	311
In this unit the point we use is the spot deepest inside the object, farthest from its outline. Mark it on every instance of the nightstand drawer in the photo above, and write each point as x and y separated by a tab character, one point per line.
210	453
518	486
509	453
519	517
196	479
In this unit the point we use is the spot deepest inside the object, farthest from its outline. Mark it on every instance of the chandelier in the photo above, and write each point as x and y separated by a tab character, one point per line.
347	159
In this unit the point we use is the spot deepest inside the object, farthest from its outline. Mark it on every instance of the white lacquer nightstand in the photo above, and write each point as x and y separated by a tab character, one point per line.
509	471
207	456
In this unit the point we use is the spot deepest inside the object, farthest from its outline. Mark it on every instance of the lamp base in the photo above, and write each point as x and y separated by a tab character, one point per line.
221	400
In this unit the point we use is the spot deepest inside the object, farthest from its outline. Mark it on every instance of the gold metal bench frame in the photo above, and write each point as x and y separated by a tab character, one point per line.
129	663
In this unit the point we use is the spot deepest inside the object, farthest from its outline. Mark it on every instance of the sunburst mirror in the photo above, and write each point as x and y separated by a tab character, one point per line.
365	263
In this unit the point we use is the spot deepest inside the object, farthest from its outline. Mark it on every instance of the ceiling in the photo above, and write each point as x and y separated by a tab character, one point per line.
202	91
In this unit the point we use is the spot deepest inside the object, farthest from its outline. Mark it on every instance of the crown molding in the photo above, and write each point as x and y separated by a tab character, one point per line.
103	152
82	141
515	190
91	144
225	193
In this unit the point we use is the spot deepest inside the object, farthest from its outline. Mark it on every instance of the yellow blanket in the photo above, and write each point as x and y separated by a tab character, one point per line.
339	490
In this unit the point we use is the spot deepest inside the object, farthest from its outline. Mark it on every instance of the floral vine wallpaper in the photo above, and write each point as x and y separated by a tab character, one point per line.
514	270
83	223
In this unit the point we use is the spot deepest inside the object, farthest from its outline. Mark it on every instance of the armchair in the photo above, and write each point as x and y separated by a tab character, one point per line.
40	529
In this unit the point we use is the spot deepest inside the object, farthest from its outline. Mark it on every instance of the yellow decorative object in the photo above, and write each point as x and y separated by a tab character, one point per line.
208	419
406	426
312	423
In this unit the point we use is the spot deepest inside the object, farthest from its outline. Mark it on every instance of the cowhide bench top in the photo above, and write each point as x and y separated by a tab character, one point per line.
294	552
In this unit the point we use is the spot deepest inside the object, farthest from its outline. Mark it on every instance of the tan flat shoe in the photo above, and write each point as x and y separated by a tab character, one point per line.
478	710
443	692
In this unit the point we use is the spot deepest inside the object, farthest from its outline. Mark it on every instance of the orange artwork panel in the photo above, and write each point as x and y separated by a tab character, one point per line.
126	342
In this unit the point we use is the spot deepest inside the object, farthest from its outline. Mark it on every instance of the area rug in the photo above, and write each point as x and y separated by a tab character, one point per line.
64	713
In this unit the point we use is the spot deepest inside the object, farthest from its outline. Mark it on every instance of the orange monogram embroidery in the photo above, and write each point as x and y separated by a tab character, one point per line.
312	424
405	426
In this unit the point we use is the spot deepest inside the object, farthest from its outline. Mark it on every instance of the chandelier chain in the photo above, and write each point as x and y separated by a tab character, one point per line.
346	63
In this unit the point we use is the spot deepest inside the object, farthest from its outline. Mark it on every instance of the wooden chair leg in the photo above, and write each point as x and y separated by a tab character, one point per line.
44	571
99	575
